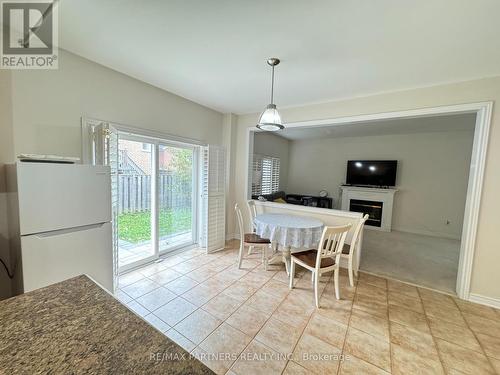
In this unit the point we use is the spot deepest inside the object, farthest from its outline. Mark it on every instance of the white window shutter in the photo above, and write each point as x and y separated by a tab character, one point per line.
275	183
266	175
213	185
257	175
105	146
204	196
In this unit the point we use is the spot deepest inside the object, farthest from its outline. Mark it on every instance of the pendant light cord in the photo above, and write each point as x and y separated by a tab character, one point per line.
272	86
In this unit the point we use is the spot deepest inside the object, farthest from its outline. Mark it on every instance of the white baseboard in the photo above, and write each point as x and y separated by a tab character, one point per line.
232	236
483	300
426	233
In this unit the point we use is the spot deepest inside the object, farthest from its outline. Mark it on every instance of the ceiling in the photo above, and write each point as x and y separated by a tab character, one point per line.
462	122
214	52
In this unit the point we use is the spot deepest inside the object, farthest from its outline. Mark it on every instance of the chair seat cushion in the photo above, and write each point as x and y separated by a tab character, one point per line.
309	257
255	238
346	249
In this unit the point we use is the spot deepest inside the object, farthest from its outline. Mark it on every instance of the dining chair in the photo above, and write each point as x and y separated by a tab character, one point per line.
253	212
252	240
252	208
325	259
349	249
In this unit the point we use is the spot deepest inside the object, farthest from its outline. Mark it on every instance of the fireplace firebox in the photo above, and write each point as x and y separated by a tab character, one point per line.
372	208
375	202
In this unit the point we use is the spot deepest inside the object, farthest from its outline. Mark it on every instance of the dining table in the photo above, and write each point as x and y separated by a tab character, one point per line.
288	231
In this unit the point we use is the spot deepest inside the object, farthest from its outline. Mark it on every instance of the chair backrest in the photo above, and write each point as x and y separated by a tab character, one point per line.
332	242
253	212
357	231
239	216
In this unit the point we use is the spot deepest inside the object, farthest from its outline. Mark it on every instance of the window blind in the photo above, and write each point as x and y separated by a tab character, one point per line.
266	175
213	235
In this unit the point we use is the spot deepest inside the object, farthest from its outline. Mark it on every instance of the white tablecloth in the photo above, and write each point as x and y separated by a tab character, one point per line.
289	230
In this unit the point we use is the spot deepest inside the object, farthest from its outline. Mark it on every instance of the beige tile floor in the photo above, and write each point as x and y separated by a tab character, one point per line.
248	322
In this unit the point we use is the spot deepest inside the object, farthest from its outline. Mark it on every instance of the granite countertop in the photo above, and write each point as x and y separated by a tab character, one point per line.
77	327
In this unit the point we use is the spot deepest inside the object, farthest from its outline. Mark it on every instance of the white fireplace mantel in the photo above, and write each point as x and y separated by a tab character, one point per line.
386	196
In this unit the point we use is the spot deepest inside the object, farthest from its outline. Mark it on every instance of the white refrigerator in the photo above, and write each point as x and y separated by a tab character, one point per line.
62	216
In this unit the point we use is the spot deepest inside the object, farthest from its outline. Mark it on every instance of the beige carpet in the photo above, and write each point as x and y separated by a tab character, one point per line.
423	260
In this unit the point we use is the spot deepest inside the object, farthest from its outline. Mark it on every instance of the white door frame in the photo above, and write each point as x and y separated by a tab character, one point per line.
483	111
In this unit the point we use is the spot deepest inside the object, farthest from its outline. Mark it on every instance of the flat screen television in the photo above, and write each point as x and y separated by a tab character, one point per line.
371	172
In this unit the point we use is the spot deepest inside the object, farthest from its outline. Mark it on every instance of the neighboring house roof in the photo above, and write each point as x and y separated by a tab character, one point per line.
136	157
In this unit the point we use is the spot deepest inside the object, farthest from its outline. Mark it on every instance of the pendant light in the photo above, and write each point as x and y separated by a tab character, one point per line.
270	119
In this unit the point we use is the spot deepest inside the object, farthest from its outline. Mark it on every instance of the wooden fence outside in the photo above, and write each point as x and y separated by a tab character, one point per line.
134	192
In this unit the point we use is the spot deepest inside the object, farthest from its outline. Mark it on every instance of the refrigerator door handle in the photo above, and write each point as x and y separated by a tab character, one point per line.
60	232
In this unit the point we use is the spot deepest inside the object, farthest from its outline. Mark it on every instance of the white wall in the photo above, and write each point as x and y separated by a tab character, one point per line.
229	142
485	275
269	144
41	111
432	174
48	105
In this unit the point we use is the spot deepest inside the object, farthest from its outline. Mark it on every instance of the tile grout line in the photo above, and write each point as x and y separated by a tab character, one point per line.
253	270
255	335
271	315
447	322
457	325
172	327
378	317
163	286
224	321
434	340
389	327
348	323
454	324
409	283
166	268
305	326
180	296
475	336
160	286
200	308
403	307
242	303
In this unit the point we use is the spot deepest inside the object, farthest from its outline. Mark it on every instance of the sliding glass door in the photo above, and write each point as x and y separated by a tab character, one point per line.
175	197
156	199
135	201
